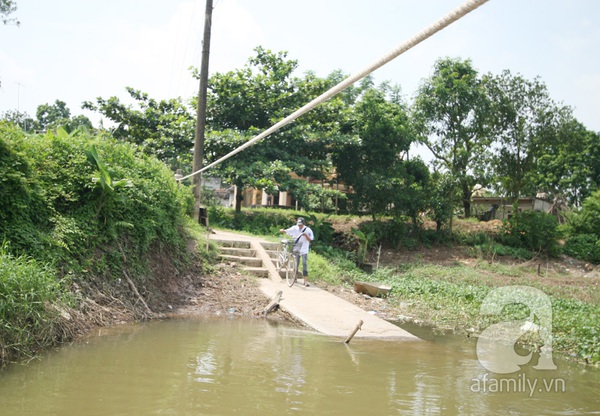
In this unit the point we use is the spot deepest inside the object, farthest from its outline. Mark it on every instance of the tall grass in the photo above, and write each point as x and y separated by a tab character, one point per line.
27	289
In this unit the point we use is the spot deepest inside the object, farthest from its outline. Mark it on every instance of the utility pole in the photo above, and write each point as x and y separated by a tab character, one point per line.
201	110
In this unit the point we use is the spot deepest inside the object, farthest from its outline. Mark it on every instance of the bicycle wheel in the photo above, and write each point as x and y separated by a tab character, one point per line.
281	259
282	255
291	270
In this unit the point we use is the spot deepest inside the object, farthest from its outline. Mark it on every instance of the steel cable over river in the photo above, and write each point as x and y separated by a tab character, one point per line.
429	31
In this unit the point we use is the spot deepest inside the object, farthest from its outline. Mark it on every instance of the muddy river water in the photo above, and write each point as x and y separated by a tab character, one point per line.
254	367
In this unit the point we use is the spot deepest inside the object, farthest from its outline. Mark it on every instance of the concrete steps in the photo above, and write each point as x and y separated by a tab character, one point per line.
242	253
317	308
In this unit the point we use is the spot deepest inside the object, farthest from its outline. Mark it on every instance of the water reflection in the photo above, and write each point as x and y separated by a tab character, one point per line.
253	367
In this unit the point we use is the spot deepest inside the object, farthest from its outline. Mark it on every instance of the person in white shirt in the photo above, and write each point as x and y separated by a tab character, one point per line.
303	235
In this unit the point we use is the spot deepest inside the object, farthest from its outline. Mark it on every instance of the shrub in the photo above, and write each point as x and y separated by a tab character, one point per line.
532	230
587	219
583	230
72	211
584	247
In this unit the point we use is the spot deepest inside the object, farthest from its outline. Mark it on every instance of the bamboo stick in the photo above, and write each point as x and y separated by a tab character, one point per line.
358	326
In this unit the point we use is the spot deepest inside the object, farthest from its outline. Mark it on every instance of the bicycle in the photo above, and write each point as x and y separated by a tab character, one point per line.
288	254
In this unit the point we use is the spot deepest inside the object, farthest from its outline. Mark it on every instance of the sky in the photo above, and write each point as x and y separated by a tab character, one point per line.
78	50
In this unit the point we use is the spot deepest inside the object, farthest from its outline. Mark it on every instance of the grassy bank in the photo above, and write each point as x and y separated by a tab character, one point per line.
30	300
450	296
86	221
442	279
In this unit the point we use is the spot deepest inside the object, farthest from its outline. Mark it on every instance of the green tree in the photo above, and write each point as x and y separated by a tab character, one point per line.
162	128
412	190
451	117
570	168
245	101
443	192
79	122
587	219
371	161
260	166
526	123
582	230
58	115
255	96
53	115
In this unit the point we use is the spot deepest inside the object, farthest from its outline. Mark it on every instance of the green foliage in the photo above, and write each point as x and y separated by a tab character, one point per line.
451	116
442	199
451	297
244	102
371	160
53	116
106	186
21	119
261	167
569	165
398	232
576	328
269	222
57	116
27	291
54	215
365	242
322	230
587	219
486	247
59	183
525	120
15	170
164	129
333	270
582	230
534	231
255	96
259	221
382	231
584	247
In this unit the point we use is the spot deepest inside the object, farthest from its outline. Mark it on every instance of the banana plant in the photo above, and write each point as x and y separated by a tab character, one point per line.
365	242
104	181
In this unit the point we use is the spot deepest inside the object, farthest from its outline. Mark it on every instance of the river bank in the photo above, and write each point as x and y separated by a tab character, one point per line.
425	283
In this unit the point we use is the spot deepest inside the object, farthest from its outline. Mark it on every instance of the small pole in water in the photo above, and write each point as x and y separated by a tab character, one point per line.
353	332
274	303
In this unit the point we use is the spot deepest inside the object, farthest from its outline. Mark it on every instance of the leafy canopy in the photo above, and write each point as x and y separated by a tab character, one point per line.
243	102
162	128
451	115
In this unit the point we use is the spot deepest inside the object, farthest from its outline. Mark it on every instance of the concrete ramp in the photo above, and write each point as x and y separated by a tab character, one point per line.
329	314
317	308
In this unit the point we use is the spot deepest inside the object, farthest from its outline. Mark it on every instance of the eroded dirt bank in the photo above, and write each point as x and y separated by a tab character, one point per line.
223	290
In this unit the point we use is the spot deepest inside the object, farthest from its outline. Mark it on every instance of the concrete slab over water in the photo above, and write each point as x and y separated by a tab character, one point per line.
317	308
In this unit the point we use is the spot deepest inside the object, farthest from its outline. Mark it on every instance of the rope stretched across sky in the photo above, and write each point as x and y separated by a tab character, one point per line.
429	31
